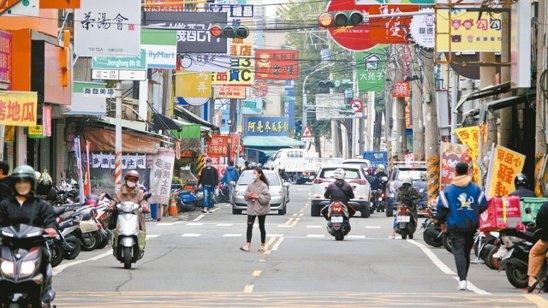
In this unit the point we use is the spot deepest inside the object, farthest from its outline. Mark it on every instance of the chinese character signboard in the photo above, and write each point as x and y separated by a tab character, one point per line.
504	165
233	10
451	155
129	161
470	137
205	62
189	84
241	73
276	64
371	64
228	91
163	6
5	56
18	108
192	30
266	126
401	89
107	28
423	29
217	146
468	33
160	176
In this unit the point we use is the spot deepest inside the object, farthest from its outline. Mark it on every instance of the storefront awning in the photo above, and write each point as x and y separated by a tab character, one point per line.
271	142
163	123
502	103
185	114
485	92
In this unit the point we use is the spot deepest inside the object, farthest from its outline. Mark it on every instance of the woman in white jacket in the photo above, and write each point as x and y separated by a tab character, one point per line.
258	197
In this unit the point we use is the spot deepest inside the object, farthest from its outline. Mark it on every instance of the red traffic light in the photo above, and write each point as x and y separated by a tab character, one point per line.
325	20
229	31
216	30
340	19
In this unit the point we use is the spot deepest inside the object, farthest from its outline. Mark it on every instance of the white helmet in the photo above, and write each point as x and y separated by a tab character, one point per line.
380	168
407	180
339	174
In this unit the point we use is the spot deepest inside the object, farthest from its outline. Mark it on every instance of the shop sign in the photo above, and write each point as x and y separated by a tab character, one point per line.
233	10
60	4
423	29
451	155
129	161
163	6
18	108
5	56
190	84
228	91
36	132
161	175
205	62
371	69
217	146
276	64
241	73
107	28
401	89
504	165
266	126
160	47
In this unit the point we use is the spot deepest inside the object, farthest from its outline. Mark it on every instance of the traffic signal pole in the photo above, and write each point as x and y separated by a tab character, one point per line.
304	96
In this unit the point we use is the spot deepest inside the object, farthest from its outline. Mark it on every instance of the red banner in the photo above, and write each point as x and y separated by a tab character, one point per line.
401	89
276	64
217	146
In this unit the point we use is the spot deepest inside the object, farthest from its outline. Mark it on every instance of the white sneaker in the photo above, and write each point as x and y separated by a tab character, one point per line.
462	285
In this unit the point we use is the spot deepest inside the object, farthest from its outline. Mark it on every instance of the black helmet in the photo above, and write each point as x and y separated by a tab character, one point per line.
21	173
521	180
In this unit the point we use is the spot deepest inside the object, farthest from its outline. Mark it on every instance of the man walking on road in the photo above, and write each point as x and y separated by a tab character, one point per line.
209	179
459	206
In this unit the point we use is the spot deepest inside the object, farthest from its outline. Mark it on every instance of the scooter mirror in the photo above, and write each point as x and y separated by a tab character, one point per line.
147	196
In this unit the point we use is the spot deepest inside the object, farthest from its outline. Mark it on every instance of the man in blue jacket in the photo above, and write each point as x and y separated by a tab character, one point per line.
231	174
459	206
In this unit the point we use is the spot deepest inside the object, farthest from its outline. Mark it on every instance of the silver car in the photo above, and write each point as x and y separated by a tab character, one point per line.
279	190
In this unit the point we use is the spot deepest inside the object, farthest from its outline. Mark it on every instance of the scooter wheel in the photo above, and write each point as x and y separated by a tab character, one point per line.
77	247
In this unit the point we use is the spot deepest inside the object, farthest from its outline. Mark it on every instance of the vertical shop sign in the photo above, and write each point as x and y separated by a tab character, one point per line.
5	56
160	176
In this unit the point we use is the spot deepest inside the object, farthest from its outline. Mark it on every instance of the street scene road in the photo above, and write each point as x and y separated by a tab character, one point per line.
194	260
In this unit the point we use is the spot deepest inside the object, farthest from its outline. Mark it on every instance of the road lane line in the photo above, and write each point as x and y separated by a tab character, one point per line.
284	226
274	235
195	224
470	286
277	244
248	288
536	299
257	273
357	236
61	267
372	227
165	224
190	235
437	262
313	226
199	217
232	235
149	236
225	225
316	235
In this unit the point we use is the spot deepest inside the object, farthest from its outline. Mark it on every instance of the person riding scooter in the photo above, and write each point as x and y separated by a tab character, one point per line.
339	191
130	192
406	196
522	187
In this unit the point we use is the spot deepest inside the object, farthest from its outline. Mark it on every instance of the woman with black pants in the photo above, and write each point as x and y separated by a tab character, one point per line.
257	196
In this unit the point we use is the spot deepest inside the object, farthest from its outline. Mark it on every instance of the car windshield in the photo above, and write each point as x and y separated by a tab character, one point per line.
350	174
247	177
415	174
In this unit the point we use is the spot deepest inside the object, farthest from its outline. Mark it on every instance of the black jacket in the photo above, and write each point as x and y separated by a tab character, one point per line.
34	211
5	189
523	192
339	191
209	177
542	221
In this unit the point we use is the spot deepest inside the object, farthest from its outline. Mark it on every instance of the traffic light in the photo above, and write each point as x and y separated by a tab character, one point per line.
340	19
229	31
326	84
298	128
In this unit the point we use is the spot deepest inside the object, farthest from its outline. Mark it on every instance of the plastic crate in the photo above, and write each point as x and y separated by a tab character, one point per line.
529	208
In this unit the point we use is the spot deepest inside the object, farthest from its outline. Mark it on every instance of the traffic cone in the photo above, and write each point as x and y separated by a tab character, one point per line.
173	211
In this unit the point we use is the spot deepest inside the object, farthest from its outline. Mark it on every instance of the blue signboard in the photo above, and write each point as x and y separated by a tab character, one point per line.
266	126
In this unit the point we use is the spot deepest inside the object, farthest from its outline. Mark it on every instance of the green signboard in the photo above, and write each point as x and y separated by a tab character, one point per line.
371	69
120	63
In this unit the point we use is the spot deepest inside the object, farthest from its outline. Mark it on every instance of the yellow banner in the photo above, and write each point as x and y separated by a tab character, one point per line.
467	32
470	136
505	165
241	73
18	108
192	84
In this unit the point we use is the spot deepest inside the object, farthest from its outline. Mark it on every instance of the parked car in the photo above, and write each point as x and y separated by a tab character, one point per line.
417	172
279	190
354	175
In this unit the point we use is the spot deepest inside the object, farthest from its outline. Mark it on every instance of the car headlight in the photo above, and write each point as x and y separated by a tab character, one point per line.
127	206
7	267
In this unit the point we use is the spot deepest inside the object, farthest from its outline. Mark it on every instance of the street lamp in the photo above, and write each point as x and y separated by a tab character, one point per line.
304	92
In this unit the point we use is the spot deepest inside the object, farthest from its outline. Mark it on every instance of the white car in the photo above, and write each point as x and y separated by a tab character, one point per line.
354	175
279	191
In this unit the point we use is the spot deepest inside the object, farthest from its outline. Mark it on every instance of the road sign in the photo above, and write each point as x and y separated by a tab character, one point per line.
307	133
356	105
390	30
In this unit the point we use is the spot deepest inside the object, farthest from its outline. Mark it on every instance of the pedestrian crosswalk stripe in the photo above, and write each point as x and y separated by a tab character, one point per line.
195	224
372	227
190	235
225	225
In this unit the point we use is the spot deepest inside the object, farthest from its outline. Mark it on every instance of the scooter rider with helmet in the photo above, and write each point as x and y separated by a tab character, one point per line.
130	192
522	187
339	191
406	194
23	207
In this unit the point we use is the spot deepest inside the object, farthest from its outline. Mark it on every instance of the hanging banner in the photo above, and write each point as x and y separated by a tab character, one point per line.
504	165
78	154
18	108
161	175
107	28
46	120
87	182
278	64
5	56
470	137
451	154
217	146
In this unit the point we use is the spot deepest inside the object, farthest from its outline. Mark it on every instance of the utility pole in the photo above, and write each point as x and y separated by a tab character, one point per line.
505	113
400	138
431	138
416	110
542	99
487	78
118	138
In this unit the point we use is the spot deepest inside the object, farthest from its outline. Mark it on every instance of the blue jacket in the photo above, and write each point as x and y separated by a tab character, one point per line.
231	174
460	204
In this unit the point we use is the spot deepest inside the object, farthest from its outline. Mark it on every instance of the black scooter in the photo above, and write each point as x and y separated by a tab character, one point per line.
26	274
432	234
406	219
338	218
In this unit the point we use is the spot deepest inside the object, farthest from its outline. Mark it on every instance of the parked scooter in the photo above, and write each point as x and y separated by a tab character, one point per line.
338	219
65	245
406	219
432	234
26	274
128	241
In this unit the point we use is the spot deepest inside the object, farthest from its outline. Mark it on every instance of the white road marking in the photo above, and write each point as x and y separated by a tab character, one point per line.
445	269
199	217
372	227
61	267
232	235
538	300
356	236
274	235
285	226
277	244
190	235
313	226
225	225
316	235
256	273
195	224
165	224
149	236
248	288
